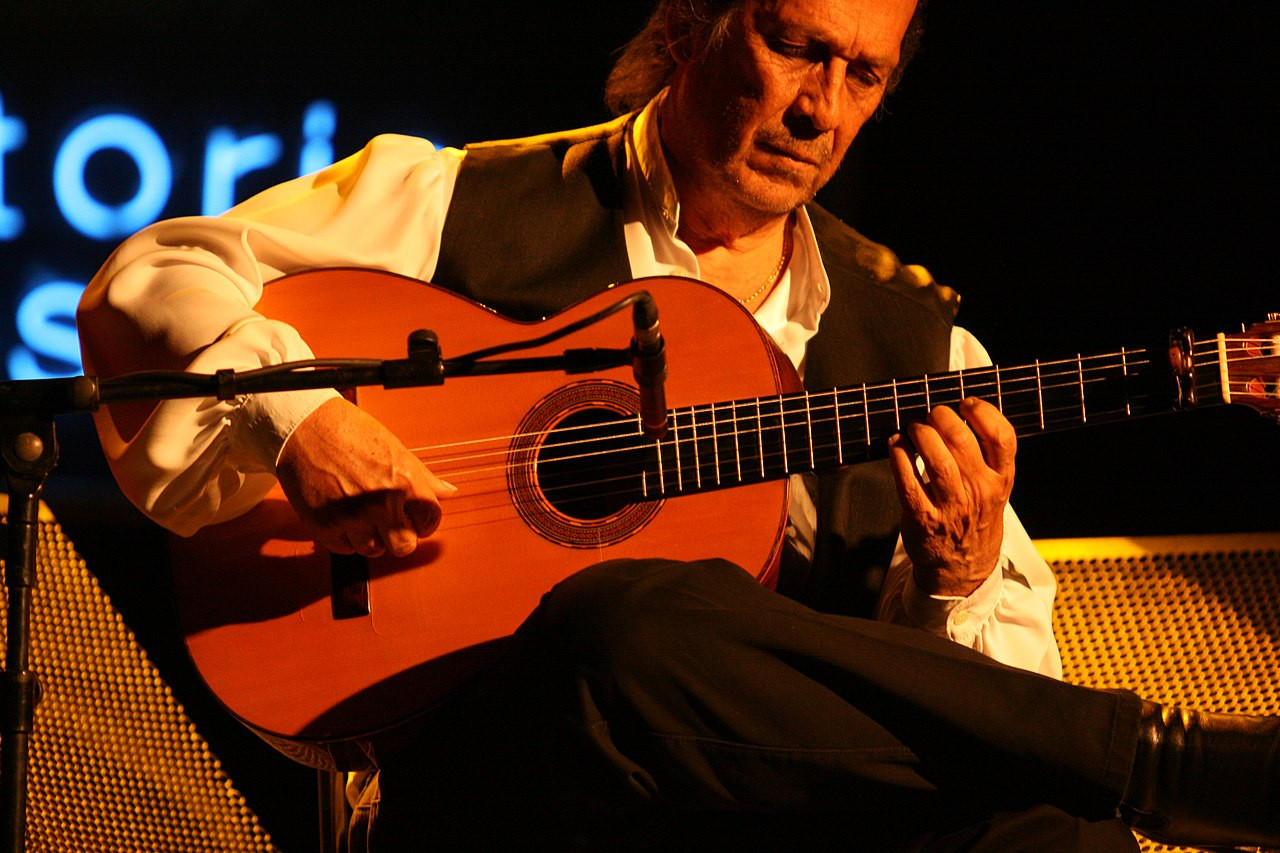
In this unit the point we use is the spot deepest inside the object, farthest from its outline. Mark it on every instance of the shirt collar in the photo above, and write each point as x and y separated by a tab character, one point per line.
652	163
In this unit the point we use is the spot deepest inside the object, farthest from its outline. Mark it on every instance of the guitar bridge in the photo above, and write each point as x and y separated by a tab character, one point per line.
349	576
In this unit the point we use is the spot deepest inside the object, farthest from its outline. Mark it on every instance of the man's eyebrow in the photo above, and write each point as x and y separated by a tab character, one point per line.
773	27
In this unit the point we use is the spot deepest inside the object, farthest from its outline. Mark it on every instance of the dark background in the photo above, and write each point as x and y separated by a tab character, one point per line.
1087	175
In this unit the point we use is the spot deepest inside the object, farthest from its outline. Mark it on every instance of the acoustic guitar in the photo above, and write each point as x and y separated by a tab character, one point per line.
321	654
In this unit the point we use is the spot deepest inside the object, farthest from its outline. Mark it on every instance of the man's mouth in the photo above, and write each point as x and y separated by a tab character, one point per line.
798	155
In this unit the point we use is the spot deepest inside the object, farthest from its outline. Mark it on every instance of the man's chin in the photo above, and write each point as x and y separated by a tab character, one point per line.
776	194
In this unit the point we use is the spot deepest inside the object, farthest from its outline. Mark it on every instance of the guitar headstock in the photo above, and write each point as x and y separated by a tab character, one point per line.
1249	365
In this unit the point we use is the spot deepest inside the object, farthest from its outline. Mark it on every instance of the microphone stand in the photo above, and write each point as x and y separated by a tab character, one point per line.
29	451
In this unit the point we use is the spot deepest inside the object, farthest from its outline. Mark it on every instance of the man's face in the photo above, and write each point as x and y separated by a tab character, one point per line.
761	121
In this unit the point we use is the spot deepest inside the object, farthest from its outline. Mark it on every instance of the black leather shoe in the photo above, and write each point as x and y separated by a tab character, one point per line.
1205	780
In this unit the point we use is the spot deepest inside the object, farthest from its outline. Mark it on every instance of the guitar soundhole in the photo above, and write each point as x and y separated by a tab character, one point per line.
589	464
574	468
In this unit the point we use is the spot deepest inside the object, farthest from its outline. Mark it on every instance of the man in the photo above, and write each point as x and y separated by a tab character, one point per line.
660	703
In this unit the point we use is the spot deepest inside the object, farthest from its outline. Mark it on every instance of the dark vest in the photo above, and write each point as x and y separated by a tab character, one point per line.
535	225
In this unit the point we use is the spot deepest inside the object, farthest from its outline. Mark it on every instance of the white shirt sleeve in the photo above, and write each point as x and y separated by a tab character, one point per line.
180	294
1010	617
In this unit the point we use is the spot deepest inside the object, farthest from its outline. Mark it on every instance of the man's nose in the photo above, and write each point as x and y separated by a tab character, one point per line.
821	98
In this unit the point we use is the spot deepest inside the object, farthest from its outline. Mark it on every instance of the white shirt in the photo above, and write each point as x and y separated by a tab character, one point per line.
180	295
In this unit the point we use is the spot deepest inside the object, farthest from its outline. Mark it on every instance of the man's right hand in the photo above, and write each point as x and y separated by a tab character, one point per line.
355	486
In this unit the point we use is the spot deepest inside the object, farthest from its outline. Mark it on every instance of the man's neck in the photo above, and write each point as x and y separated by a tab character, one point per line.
745	265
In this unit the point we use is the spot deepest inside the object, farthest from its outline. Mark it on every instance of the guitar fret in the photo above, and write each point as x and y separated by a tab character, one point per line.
675	440
897	415
1124	370
866	417
808	411
928	406
760	435
999	392
715	442
782	430
737	448
1040	393
697	457
835	405
662	474
1084	413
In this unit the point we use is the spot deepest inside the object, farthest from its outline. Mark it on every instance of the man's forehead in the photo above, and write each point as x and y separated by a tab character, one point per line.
859	26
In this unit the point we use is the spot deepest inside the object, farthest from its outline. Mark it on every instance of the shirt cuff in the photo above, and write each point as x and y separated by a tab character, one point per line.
264	422
960	618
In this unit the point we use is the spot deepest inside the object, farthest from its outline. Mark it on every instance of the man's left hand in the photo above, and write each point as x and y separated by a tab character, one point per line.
953	506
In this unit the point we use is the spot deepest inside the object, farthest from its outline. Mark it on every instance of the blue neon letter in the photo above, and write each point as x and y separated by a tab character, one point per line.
46	323
226	158
136	139
318	124
12	134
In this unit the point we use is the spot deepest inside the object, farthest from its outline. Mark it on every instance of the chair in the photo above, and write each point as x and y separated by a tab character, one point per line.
1189	620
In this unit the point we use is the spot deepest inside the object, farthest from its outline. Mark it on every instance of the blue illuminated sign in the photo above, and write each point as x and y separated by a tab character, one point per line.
44	317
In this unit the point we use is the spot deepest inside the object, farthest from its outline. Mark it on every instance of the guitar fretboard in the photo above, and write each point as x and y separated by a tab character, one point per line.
744	441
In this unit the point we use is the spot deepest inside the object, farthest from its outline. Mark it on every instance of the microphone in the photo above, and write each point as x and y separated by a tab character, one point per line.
649	364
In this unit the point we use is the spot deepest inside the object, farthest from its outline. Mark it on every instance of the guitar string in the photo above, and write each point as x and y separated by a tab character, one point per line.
627	488
903	387
770	460
732	423
906	400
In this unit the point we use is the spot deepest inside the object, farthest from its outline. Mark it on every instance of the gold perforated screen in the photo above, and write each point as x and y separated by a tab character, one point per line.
1192	621
115	764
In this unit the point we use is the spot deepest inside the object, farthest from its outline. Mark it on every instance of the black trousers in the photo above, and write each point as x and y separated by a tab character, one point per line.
659	705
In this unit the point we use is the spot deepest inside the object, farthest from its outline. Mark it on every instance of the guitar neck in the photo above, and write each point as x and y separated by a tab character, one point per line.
743	441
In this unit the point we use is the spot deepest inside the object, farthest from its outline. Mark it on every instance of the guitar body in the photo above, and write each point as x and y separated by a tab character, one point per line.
256	598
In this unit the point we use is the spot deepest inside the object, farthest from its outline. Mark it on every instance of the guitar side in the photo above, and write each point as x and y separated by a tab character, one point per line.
255	595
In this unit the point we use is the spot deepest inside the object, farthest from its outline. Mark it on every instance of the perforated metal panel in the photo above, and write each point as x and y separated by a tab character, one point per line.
115	764
1192	621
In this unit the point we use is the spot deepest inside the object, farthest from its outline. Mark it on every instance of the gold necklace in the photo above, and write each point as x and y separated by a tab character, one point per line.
774	276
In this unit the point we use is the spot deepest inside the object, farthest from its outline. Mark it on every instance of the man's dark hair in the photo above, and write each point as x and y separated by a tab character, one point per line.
645	66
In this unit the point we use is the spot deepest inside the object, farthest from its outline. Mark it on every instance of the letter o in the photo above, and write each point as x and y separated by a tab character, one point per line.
147	150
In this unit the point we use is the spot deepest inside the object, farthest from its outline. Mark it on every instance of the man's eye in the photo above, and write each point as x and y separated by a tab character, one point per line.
787	48
798	50
864	76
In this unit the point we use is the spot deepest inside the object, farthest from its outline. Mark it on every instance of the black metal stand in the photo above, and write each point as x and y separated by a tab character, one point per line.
29	449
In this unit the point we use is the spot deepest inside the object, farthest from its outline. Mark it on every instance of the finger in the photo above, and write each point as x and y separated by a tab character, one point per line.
341	541
396	528
996	435
414	514
959	438
365	538
335	543
943	477
441	488
422	503
902	458
371	546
